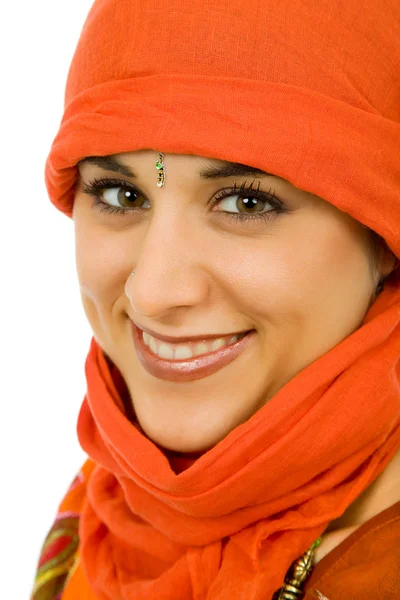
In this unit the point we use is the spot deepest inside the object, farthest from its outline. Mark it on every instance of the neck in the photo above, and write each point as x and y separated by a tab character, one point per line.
380	495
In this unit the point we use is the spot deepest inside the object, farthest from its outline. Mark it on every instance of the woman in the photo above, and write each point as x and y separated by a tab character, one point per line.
232	174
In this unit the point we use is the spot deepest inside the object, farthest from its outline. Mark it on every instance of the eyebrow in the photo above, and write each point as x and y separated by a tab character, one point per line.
230	169
108	163
219	170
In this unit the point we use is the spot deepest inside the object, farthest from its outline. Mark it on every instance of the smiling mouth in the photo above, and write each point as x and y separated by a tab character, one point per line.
187	350
188	360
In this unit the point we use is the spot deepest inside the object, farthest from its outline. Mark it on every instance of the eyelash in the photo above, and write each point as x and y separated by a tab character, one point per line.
96	186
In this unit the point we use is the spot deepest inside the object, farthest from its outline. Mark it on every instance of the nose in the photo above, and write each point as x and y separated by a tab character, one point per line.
170	273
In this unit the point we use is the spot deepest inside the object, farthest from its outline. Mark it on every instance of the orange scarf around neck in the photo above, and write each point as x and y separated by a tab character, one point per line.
230	524
306	90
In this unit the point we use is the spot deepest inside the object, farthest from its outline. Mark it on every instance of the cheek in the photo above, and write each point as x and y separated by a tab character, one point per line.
102	263
335	261
302	276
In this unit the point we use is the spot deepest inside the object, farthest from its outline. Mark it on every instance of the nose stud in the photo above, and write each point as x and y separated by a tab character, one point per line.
128	296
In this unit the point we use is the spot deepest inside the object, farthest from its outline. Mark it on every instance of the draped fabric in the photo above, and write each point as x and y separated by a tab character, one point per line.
305	90
340	574
229	524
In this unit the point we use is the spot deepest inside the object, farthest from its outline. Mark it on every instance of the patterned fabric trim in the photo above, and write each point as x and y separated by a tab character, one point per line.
58	558
59	554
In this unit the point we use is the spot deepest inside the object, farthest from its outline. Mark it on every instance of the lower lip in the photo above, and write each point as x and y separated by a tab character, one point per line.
191	368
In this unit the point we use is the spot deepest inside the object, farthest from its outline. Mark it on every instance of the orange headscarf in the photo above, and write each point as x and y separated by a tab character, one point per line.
307	90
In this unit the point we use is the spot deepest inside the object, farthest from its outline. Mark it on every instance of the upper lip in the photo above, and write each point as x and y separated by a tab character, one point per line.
186	338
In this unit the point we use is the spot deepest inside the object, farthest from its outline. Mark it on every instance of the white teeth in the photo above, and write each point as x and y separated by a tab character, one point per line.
187	350
153	345
165	351
183	352
200	349
218	343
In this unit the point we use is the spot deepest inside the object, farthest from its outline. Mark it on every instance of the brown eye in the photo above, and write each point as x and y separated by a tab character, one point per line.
245	204
250	204
124	198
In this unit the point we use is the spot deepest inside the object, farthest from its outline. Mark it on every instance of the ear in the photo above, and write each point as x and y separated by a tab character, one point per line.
387	261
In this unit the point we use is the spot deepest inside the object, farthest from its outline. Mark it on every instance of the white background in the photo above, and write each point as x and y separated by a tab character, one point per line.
44	333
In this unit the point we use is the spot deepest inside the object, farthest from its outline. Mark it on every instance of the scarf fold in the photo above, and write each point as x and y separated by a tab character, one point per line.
306	90
230	525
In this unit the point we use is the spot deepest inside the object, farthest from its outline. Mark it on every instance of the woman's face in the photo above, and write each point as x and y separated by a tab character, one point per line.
293	271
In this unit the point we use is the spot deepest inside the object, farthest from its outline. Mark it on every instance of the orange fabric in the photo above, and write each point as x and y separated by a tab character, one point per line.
230	524
366	566
363	567
307	90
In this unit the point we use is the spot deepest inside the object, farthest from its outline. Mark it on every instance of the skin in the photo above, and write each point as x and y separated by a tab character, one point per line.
302	279
383	493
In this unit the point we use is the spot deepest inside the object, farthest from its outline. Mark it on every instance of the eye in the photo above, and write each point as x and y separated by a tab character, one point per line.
124	197
115	197
246	200
249	204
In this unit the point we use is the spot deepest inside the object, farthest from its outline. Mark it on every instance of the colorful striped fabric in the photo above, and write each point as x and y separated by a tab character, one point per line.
59	554
57	558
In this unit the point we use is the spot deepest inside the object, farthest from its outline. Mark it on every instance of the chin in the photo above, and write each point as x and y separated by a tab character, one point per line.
185	440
